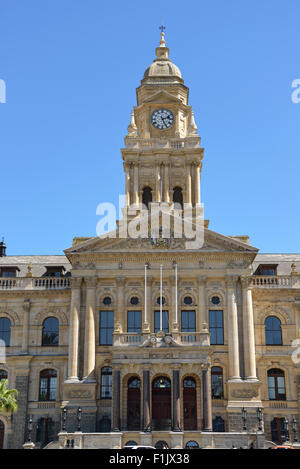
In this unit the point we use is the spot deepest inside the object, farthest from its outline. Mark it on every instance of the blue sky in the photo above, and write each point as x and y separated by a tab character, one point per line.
71	68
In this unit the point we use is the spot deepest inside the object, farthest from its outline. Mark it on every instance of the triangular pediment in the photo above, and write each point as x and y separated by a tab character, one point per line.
213	243
162	97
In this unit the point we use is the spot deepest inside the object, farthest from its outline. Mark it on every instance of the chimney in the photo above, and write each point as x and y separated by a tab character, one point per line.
2	248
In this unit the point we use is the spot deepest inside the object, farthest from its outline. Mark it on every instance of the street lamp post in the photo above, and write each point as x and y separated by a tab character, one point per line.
64	419
244	417
294	427
79	419
286	429
259	418
29	435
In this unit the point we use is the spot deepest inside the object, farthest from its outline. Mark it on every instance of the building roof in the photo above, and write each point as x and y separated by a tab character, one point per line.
283	262
39	263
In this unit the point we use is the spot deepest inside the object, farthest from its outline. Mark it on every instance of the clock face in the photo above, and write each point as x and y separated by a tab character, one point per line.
162	119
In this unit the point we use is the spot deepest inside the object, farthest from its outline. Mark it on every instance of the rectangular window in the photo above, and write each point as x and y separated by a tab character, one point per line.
165	321
106	386
134	321
106	327
216	327
188	321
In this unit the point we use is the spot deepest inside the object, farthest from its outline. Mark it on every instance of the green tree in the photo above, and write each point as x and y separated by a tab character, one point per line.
8	401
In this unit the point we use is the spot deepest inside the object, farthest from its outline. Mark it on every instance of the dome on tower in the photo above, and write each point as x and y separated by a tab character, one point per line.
162	65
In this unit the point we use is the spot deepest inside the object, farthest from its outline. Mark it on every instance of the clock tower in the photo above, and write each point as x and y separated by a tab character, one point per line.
162	154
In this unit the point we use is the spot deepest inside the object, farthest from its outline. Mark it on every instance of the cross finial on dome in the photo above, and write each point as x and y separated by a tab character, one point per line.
162	36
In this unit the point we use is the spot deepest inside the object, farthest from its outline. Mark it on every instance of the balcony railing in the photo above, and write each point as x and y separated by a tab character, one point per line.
35	283
145	144
131	339
276	281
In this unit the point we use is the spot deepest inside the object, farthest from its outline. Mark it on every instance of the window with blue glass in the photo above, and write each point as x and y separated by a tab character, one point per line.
134	321
188	321
165	321
5	330
50	334
273	331
216	327
106	382
106	327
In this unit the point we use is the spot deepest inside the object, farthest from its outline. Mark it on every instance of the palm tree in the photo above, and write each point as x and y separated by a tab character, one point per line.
8	401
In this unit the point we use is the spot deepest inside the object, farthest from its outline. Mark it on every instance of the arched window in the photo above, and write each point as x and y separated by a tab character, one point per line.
106	383
192	445
189	404
178	198
147	196
134	403
5	326
2	429
276	385
3	375
217	383
161	445
50	331
161	403
273	331
131	443
48	381
218	424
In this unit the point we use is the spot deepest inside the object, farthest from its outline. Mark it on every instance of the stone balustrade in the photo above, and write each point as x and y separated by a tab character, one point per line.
35	283
275	281
144	144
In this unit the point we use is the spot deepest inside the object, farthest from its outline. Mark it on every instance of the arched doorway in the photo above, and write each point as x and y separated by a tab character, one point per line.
2	429
161	403
134	404
189	404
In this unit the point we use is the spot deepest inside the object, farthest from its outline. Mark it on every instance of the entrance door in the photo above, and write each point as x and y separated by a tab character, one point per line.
133	404
189	404
161	404
278	431
1	434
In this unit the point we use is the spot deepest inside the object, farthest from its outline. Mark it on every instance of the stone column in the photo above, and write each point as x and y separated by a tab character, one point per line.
127	184
232	327
146	401
89	337
166	197
157	184
202	312
248	330
207	405
176	402
188	185
25	336
197	183
136	185
74	329
119	318
116	395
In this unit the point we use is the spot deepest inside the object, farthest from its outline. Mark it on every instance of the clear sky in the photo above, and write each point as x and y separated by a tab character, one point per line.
71	68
